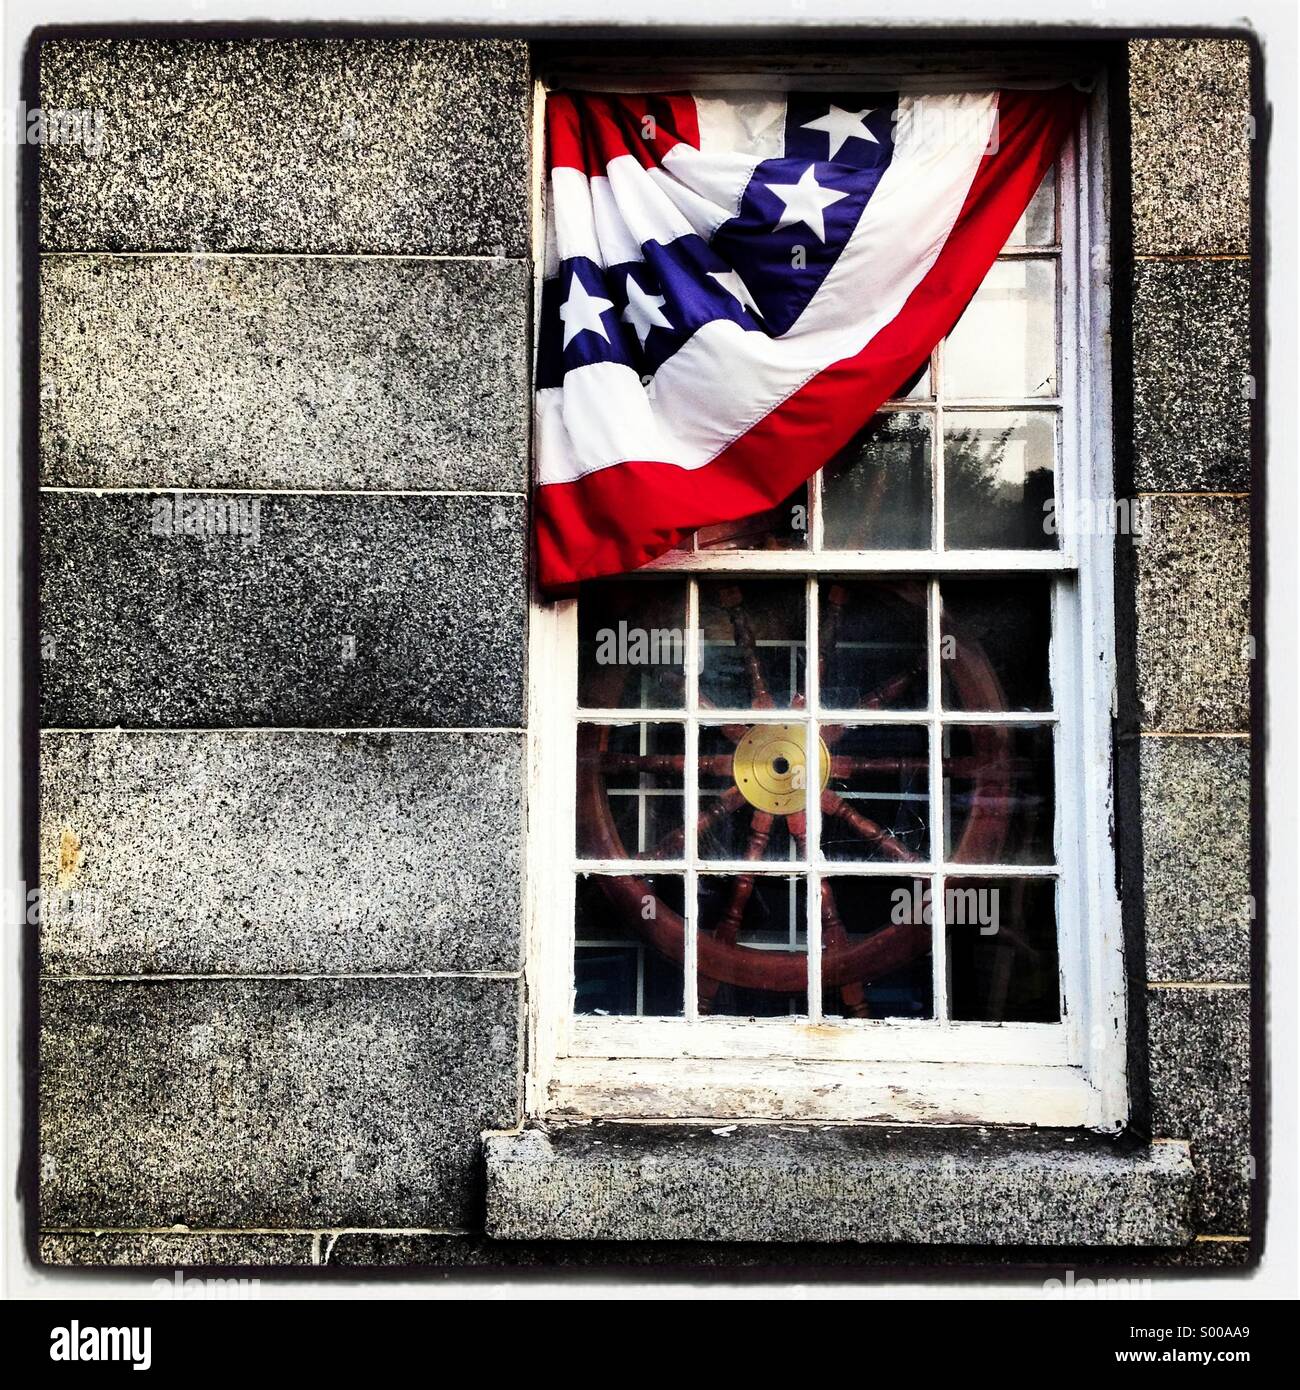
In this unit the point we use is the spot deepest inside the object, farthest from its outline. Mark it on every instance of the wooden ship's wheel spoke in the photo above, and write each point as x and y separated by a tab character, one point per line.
732	732
732	600
726	931
889	845
835	935
673	843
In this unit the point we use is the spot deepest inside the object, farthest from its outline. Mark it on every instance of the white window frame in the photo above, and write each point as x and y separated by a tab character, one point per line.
935	1071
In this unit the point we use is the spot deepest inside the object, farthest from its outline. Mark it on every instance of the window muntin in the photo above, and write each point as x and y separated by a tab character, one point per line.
976	484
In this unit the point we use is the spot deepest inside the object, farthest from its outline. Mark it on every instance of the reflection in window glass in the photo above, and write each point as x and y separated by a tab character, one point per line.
920	388
873	639
1002	952
632	645
876	491
896	983
616	969
996	640
1037	225
1004	345
999	479
999	793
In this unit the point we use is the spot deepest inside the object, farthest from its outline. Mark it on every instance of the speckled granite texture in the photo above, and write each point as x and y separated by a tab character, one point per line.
1193	615
1192	133
834	1183
441	1255
272	1103
398	146
1200	1090
1196	858
332	611
284	372
1192	383
256	853
1194	136
177	1250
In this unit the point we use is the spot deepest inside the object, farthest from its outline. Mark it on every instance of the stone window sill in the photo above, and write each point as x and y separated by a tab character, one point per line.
869	1184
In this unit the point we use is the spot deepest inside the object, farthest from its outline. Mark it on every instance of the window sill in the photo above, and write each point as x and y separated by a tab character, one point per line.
609	1087
869	1184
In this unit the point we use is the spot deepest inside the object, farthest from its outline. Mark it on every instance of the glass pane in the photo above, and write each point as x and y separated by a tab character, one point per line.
630	791
873	645
1004	345
876	490
783	528
996	636
1002	956
631	644
876	958
999	793
617	967
751	780
999	477
1037	225
879	802
920	389
753	957
752	644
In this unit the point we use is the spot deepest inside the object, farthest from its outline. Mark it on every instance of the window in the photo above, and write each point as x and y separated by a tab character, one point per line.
918	921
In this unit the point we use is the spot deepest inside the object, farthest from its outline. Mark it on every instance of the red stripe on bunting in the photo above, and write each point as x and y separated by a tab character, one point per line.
608	126
626	515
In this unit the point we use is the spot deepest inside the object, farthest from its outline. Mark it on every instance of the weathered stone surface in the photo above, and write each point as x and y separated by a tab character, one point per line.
284	372
1200	1090
326	611
1210	1254
871	1184
176	1250
426	1250
290	144
280	853
1196	857
1192	137
754	1261
1193	615
1191	376
459	1256
268	1103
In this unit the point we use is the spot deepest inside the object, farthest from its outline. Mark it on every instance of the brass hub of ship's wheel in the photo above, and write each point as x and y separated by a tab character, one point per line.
768	768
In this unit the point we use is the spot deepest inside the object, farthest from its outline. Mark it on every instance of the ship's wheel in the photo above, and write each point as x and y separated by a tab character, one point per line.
767	782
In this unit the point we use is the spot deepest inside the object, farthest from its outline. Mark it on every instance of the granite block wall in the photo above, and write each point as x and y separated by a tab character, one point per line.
283	463
284	335
1193	136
